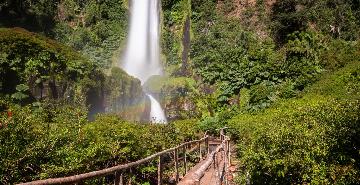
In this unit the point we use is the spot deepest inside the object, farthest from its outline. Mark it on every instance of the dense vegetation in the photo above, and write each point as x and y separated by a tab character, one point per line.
309	139
282	75
32	61
54	140
96	28
284	81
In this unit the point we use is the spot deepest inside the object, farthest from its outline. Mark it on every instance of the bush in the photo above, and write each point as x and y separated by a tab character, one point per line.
37	61
55	140
313	139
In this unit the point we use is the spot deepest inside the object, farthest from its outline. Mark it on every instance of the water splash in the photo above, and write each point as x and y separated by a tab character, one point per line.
156	114
142	55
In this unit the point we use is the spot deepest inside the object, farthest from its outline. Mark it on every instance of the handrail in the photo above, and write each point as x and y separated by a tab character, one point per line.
194	178
101	173
212	158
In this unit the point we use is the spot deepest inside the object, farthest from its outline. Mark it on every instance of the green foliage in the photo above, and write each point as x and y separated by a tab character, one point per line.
54	140
213	124
96	28
270	73
302	61
186	129
226	41
339	53
24	145
307	131
250	62
289	16
342	84
175	14
21	93
203	10
34	15
36	61
312	139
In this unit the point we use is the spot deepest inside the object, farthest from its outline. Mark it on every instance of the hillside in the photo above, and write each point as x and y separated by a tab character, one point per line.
283	76
312	138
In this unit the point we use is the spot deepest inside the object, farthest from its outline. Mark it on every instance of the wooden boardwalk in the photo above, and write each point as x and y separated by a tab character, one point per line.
210	171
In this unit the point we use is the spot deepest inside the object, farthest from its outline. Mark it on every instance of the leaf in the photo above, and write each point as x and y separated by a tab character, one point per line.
38	81
19	96
22	87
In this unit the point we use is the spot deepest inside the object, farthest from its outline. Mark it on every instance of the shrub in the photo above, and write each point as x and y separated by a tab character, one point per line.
312	139
55	140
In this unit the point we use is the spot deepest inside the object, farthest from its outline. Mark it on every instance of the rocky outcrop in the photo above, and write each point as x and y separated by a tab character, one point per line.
124	96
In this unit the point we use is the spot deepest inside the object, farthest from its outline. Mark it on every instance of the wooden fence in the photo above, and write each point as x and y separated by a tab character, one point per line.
119	170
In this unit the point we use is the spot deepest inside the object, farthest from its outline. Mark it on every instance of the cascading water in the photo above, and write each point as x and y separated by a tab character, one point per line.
142	54
156	113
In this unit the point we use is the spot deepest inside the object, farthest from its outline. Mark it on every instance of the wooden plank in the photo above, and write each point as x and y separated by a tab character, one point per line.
193	177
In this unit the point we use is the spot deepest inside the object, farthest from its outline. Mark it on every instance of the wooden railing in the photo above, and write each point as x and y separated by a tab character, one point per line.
219	158
118	171
224	170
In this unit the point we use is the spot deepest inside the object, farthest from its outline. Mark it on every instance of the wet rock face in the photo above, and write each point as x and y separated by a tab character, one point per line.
180	108
175	95
124	96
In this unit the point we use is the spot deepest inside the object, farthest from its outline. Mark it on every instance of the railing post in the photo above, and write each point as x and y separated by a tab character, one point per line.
229	153
214	160
221	134
130	177
176	165
207	146
122	179
80	183
200	154
185	168
226	161
160	169
118	178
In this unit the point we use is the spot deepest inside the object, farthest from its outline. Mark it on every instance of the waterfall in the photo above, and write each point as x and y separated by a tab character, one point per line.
156	114
142	54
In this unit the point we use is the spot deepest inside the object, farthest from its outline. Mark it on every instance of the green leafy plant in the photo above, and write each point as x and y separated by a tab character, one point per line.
21	93
312	139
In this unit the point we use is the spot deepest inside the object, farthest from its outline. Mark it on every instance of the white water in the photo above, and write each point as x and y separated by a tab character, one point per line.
142	55
156	114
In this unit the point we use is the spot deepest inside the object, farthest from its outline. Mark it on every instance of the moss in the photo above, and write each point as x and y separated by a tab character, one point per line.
10	38
34	60
174	19
124	95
